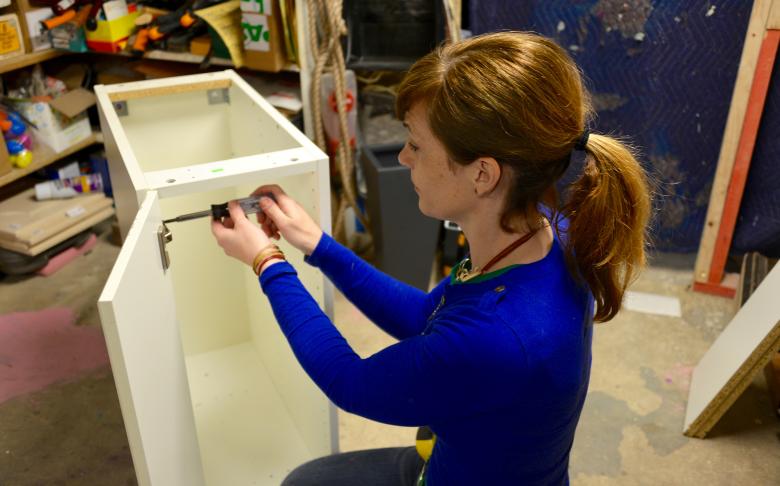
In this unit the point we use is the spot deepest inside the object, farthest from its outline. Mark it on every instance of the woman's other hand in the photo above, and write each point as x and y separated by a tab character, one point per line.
239	237
287	218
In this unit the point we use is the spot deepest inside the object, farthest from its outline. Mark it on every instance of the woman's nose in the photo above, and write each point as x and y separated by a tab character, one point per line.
403	158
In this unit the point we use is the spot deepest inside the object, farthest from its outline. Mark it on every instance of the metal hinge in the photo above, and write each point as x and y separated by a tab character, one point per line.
219	96
164	236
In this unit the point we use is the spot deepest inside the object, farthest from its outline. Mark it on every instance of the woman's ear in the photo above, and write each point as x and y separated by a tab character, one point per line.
487	175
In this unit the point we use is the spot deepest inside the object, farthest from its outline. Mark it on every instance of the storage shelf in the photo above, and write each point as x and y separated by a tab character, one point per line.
186	57
43	156
183	57
25	60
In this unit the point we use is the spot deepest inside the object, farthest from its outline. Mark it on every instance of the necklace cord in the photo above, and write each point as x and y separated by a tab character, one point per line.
464	275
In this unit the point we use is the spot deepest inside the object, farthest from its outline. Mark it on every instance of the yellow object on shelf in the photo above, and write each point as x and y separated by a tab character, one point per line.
22	159
114	30
225	19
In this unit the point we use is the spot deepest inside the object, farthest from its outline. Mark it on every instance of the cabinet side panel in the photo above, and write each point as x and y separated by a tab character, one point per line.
306	404
125	197
252	130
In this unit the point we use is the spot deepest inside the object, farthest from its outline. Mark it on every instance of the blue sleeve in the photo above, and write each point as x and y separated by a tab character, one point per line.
444	375
399	309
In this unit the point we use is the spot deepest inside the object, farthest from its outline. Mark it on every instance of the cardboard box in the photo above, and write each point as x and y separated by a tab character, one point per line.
11	38
263	41
22	7
61	122
200	46
38	39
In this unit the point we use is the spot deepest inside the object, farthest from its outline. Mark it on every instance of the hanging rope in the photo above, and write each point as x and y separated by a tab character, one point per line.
326	26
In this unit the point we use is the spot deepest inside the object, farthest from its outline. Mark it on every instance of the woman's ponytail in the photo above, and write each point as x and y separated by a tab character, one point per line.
608	209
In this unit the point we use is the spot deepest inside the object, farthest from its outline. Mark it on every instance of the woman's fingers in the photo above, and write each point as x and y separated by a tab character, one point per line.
282	199
236	212
274	212
269	228
227	222
274	189
218	230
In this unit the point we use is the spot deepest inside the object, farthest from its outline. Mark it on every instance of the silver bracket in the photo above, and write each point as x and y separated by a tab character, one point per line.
121	108
218	96
164	236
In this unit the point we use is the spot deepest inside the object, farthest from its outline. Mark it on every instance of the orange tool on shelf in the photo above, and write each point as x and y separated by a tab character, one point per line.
53	22
141	40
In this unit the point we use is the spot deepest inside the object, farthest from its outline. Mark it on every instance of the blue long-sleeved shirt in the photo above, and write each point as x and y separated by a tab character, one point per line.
498	369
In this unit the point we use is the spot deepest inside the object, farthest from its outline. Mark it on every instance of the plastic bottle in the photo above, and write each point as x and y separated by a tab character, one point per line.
66	188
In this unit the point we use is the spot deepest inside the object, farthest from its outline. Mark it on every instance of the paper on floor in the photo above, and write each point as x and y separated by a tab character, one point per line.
652	303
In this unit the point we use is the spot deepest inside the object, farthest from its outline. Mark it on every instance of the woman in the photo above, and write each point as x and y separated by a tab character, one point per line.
496	359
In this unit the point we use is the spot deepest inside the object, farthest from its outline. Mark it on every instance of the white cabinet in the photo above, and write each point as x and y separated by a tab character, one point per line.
209	388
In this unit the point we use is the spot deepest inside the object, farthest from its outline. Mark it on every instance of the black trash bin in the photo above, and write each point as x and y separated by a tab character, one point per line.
404	239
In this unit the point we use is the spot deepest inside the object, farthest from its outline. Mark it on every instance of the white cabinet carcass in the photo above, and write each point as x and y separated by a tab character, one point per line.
209	389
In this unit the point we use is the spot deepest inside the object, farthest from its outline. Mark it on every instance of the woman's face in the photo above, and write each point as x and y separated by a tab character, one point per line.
444	188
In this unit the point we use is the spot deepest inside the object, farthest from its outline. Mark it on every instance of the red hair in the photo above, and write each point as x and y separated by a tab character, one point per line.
518	97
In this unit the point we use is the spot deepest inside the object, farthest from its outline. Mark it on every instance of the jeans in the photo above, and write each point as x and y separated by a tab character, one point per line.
391	466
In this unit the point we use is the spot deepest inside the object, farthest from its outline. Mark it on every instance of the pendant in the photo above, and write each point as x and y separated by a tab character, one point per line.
463	275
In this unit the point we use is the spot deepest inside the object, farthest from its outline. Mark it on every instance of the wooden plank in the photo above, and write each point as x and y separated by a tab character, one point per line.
25	60
306	61
747	142
746	345
73	230
731	134
774	17
720	289
754	270
186	57
170	90
43	156
452	19
772	375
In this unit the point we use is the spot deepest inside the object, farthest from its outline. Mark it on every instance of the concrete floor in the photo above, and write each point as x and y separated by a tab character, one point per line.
71	433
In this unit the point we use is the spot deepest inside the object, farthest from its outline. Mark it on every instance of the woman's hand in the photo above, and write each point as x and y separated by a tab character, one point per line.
239	237
288	218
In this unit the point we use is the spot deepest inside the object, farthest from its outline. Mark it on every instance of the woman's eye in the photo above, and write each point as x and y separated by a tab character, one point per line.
412	146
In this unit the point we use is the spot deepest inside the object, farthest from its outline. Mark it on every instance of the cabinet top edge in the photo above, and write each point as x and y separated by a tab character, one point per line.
163	86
